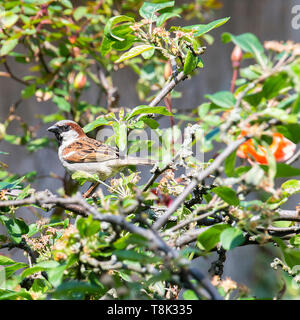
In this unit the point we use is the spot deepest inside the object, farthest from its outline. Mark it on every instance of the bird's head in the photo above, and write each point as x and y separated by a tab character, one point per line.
66	130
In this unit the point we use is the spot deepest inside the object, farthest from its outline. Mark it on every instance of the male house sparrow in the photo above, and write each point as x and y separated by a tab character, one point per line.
78	152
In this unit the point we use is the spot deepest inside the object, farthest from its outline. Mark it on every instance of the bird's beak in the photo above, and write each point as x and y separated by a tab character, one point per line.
53	129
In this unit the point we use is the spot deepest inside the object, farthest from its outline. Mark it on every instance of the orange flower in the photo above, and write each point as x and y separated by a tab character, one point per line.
281	148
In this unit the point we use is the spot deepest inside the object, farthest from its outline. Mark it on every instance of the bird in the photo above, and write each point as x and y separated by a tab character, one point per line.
78	152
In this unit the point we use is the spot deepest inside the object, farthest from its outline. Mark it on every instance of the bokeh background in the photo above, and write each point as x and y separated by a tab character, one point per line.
269	20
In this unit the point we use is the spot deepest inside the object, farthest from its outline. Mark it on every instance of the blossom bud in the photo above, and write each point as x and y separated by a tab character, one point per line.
167	70
236	57
80	80
76	52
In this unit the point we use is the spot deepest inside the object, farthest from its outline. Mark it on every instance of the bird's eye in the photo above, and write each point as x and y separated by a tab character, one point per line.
65	128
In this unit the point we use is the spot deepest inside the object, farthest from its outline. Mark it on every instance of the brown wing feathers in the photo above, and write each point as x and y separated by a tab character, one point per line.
88	150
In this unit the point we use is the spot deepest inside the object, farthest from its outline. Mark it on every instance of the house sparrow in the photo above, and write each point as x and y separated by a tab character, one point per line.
77	152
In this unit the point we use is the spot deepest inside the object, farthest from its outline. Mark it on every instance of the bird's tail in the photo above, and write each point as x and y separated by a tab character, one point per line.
140	161
129	161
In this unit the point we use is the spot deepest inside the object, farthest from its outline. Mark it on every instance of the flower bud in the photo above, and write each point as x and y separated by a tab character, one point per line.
236	57
80	80
76	52
167	70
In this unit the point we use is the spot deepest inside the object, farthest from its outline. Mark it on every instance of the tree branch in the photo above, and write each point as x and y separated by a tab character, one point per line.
11	74
78	205
197	180
165	91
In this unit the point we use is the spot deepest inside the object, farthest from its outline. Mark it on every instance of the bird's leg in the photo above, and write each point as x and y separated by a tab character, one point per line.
91	189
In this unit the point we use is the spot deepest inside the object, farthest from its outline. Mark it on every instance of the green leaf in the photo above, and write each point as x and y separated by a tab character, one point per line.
248	42
87	227
9	20
108	30
204	28
37	144
288	101
139	145
15	227
105	47
133	52
74	290
62	103
153	124
135	256
190	295
291	256
126	44
143	109
67	3
52	118
229	165
96	123
190	63
254	99
291	131
148	9
296	106
28	92
5	261
121	136
210	237
227	194
148	54
14	295
280	114
8	46
164	17
231	238
82	177
224	99
273	85
200	63
41	266
80	12
122	31
295	241
286	171
123	242
55	275
290	187
10	270
11	184
29	271
33	229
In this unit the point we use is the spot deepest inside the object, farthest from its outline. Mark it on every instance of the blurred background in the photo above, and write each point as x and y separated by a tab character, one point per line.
269	20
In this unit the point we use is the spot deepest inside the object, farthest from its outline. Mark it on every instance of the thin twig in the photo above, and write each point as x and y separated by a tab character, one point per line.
165	91
294	158
158	172
78	205
12	74
197	180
